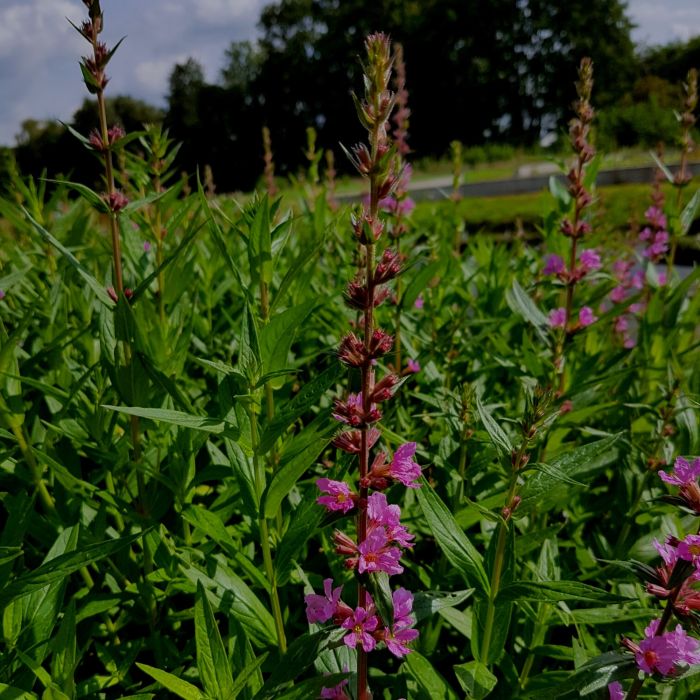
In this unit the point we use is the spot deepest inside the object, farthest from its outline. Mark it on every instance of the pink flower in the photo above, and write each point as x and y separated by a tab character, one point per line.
684	473
2	293
376	555
403	607
554	265
590	260
146	247
386	517
339	495
418	303
400	633
396	640
655	217
403	468
656	653
620	324
321	608
689	548
665	652
557	318
336	692
667	552
360	623
406	205
586	316
616	692
637	280
413	366
629	342
618	294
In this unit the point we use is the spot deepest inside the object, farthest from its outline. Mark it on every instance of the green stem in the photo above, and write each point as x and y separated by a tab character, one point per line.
259	470
34	468
499	557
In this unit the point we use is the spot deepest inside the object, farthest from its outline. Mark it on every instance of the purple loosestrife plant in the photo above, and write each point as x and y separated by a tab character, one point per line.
575	226
664	652
380	538
105	139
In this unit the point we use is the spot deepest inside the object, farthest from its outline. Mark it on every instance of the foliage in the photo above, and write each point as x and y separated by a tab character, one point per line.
164	419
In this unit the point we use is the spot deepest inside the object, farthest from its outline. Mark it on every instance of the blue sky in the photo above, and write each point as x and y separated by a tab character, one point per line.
39	75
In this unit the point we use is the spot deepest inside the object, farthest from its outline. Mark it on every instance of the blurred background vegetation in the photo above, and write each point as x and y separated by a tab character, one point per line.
496	76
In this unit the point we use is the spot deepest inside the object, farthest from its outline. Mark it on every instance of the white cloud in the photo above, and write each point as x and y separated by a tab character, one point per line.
153	75
34	30
218	11
661	22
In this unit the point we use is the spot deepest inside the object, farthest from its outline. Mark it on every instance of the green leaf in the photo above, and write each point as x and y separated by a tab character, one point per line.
431	684
212	662
181	688
62	566
380	589
260	243
211	524
64	658
521	303
476	679
276	338
558	190
491	619
553	591
186	240
249	348
419	283
299	455
689	212
304	401
245	676
427	603
7	692
301	654
304	522
597	673
496	433
184	420
231	595
219	239
667	173
97	288
90	195
454	543
543	490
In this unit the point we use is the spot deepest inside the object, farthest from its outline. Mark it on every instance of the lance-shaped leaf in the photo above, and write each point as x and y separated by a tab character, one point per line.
454	543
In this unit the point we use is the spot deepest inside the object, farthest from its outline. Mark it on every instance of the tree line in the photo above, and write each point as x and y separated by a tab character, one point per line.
477	72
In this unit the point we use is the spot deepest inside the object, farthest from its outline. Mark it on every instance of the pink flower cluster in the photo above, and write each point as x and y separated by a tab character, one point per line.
586	317
588	261
685	475
654	235
666	653
364	626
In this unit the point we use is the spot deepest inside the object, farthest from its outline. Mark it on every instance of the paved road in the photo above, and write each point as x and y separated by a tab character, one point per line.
441	188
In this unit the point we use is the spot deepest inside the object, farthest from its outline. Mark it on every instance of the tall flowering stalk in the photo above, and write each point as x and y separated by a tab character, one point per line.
683	176
268	157
104	139
400	203
664	652
576	226
380	537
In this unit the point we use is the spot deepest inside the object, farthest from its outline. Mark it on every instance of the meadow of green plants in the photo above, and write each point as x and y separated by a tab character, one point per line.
213	414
